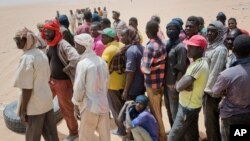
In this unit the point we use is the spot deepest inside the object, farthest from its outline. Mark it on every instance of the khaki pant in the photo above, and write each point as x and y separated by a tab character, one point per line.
155	98
140	134
90	123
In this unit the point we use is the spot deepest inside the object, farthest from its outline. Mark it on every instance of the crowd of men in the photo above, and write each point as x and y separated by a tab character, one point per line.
96	67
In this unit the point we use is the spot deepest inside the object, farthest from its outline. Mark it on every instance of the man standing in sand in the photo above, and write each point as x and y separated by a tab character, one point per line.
90	91
117	80
72	20
98	46
118	24
153	68
63	59
191	87
216	56
36	102
84	28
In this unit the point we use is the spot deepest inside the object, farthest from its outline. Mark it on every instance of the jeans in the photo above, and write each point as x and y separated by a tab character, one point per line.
185	125
211	116
243	119
171	98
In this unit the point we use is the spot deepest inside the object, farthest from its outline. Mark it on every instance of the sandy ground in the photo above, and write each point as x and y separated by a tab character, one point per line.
27	13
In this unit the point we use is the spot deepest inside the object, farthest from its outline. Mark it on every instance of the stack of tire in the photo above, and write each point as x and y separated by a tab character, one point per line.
14	123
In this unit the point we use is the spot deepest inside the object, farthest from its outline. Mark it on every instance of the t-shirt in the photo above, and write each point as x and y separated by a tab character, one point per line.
133	63
56	65
33	72
147	121
117	81
199	70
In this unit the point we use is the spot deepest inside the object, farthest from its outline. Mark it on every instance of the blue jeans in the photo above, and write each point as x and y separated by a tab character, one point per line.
185	125
211	116
243	119
171	99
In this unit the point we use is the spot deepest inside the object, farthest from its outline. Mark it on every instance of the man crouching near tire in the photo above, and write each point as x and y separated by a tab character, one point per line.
36	102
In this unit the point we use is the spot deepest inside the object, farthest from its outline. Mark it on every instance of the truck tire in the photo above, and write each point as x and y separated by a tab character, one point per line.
14	123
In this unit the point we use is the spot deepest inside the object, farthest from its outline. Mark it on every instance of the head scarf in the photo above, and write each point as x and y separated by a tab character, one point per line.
220	29
178	20
133	35
55	26
85	40
29	35
174	23
143	99
96	17
63	20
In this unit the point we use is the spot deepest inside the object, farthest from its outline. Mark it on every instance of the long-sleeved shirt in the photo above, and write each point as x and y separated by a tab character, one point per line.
233	84
177	62
153	64
91	84
216	56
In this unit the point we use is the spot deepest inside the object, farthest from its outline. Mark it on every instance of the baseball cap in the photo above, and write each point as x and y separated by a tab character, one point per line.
109	32
197	41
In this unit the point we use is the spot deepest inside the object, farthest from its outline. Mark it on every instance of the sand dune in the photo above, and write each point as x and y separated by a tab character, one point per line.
15	14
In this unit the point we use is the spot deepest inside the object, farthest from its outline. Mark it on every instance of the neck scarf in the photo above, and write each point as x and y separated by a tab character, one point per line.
55	26
30	36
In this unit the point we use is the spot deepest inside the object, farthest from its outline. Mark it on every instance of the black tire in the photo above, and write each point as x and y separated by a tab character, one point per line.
14	123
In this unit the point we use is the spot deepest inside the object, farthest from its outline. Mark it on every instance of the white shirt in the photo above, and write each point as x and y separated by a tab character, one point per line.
33	72
91	84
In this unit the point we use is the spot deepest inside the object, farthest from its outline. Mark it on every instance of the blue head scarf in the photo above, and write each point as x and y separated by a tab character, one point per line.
63	20
143	99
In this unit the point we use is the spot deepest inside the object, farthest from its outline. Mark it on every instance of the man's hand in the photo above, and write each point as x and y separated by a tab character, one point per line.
171	87
77	113
190	88
125	95
23	115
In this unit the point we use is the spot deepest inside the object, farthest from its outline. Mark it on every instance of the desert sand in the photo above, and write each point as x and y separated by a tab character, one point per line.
16	14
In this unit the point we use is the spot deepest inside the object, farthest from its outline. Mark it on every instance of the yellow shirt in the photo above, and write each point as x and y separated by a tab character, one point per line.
140	36
199	70
117	81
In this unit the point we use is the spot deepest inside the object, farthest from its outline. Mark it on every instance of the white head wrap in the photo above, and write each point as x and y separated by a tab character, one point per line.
85	40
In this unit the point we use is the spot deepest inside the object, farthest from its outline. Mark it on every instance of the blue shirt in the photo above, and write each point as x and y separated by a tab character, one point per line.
133	63
147	121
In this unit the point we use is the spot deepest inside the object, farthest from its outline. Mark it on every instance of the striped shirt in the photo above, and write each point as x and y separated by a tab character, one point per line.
153	64
199	70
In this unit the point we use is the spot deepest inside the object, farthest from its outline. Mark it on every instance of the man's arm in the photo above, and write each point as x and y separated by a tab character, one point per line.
181	65
131	67
129	80
185	83
26	94
220	87
72	57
